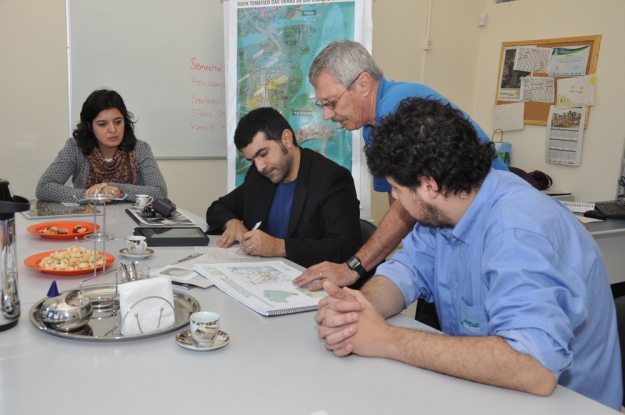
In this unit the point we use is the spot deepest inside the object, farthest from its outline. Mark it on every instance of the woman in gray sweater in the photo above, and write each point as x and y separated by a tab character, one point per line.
103	155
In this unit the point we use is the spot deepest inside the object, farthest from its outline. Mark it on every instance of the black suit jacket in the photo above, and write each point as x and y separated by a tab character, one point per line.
324	219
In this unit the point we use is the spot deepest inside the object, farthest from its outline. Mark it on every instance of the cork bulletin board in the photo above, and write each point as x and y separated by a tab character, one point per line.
537	112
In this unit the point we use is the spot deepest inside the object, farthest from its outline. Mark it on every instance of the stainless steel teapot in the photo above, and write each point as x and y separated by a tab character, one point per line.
9	300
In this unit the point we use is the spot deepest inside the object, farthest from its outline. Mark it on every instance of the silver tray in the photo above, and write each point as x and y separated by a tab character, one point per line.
105	324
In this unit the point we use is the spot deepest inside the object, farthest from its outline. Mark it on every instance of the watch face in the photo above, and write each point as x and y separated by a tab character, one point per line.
353	262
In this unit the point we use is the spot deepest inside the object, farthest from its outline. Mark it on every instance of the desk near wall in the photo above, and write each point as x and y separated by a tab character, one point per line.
610	236
271	366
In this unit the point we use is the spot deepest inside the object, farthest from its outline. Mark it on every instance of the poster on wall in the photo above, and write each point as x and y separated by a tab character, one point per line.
270	45
510	78
565	132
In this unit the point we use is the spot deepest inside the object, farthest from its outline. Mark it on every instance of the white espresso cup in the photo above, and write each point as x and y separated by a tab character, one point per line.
204	328
143	200
136	244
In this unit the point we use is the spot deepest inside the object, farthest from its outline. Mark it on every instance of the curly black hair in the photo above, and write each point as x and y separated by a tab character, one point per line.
265	120
426	138
98	101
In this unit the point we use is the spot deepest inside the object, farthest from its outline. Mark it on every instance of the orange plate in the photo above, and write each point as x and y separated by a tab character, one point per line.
33	261
63	224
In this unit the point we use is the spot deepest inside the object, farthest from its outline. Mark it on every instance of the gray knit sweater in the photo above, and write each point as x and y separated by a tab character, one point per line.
72	163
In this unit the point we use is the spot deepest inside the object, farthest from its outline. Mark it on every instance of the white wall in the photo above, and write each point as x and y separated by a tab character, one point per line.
33	94
596	178
462	65
33	88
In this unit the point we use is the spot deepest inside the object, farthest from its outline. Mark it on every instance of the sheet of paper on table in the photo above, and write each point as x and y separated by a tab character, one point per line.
183	274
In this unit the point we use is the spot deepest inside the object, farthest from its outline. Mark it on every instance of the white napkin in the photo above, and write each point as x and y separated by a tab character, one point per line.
133	299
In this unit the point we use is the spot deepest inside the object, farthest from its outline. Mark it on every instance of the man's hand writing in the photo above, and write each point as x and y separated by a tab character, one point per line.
234	230
262	244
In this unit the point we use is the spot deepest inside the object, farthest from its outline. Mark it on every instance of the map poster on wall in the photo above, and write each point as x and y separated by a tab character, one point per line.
270	45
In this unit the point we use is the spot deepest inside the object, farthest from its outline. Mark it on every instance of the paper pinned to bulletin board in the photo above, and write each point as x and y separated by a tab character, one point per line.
565	136
509	79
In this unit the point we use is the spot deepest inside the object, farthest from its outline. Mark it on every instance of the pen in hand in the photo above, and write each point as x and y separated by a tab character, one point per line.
253	229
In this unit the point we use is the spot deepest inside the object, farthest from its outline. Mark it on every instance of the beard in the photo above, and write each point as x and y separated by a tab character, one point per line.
282	168
432	216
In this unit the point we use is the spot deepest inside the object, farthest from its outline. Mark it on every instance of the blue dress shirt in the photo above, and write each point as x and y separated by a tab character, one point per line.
520	265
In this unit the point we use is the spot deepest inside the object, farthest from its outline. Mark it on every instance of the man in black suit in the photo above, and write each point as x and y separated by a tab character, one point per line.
306	204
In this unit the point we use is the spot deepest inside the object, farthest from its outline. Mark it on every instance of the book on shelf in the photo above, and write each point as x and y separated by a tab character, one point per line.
40	209
176	219
265	287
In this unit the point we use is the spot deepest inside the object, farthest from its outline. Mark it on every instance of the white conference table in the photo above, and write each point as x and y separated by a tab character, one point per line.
272	365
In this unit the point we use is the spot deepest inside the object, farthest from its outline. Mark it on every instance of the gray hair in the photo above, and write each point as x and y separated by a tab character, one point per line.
344	60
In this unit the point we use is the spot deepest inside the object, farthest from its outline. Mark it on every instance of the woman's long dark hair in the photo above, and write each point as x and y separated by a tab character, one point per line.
98	101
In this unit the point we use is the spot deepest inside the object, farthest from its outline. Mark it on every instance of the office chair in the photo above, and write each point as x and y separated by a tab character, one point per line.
426	314
366	229
620	322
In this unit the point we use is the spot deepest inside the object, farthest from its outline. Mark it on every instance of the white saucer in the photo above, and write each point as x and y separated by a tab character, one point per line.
184	339
135	207
124	252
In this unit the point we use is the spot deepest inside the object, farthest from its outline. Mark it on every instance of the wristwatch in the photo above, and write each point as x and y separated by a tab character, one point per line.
354	263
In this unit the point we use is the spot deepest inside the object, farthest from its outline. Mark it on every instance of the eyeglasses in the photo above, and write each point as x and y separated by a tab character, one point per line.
332	105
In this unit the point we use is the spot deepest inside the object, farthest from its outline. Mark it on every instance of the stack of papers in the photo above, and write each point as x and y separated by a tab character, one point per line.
579	207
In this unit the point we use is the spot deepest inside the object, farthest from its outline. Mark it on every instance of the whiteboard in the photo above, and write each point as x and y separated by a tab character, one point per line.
166	60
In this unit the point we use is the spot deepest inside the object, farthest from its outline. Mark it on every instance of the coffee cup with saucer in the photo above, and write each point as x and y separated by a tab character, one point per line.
204	333
184	339
142	201
136	244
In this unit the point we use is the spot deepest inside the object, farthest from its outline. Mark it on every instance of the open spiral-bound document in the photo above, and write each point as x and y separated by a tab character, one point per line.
265	287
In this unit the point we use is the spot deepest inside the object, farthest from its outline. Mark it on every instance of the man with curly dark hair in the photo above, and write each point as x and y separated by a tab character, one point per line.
520	286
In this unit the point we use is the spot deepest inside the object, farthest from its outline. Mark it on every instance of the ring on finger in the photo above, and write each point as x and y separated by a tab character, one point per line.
320	275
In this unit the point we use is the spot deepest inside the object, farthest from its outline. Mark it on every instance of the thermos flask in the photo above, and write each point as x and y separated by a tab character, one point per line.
10	302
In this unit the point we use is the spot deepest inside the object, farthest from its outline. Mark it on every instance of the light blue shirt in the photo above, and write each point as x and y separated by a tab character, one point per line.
390	94
520	265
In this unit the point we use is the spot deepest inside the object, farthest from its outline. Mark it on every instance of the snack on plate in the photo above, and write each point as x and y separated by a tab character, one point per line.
53	230
79	229
74	258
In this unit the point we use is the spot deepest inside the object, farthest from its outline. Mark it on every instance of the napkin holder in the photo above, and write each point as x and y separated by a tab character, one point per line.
146	306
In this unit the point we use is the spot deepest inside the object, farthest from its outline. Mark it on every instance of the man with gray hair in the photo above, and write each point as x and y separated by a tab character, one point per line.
351	90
